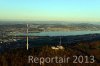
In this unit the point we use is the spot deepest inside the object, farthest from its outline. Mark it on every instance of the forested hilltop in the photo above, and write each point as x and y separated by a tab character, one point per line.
19	57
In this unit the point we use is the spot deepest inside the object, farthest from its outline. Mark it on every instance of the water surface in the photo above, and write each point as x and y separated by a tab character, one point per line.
60	33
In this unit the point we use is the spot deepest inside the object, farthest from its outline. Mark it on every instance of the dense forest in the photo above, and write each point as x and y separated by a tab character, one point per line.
19	56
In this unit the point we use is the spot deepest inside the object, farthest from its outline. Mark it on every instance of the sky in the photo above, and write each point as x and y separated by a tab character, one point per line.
50	10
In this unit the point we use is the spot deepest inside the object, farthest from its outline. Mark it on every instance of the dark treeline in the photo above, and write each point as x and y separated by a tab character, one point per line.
19	56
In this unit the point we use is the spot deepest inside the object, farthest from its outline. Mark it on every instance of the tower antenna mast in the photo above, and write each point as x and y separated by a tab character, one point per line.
60	41
27	44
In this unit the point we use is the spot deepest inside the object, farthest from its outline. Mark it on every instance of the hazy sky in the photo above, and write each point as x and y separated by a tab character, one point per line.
50	10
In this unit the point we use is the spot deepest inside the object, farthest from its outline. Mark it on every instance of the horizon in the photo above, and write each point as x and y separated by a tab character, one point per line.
46	22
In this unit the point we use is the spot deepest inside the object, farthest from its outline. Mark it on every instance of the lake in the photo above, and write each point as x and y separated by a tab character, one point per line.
59	33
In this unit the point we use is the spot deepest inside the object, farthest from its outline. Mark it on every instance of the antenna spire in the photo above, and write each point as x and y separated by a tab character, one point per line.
27	45
60	41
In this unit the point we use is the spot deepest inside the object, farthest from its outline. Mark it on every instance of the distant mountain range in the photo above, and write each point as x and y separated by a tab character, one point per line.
46	22
17	25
